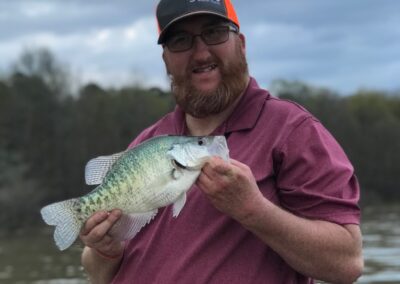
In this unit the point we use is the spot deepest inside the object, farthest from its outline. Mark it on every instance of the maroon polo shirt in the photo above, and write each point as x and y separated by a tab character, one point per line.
298	165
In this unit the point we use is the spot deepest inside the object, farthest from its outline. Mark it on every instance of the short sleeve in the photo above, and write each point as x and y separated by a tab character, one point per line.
316	179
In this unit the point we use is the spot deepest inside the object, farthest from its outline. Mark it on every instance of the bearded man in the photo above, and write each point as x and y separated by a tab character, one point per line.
283	210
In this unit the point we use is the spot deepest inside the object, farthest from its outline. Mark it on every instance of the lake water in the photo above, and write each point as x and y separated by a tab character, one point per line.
32	258
381	233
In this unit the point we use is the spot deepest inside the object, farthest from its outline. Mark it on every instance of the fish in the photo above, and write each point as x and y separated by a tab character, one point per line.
156	173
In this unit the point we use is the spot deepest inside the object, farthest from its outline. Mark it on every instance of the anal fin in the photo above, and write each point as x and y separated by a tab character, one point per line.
130	224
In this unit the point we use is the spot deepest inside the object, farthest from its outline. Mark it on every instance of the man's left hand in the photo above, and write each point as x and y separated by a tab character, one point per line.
231	188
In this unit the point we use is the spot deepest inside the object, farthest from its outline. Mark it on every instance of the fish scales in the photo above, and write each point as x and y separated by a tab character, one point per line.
120	190
131	169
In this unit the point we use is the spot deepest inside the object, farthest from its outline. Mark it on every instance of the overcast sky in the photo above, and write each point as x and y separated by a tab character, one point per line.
343	45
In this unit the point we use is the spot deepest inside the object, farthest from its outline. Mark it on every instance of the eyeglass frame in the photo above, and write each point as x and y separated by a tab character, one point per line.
230	28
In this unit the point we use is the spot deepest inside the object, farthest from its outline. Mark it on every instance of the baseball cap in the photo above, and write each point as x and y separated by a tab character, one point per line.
171	11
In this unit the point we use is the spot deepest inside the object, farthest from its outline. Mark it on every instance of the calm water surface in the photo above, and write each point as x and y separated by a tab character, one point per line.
381	233
33	258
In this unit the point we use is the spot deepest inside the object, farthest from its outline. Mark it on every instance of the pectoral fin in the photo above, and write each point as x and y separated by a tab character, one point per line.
129	225
178	205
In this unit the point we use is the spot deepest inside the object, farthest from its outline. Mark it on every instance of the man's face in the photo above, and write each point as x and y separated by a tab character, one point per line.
206	79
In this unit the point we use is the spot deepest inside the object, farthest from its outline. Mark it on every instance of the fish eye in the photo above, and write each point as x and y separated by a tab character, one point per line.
200	142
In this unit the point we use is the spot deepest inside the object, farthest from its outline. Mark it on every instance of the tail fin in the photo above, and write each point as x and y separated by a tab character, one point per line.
64	217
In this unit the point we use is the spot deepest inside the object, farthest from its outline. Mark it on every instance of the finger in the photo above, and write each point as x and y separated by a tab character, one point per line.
104	227
224	169
238	164
203	181
98	243
93	221
217	167
102	222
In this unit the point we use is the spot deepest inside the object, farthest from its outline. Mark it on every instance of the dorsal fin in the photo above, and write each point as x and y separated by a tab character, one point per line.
97	168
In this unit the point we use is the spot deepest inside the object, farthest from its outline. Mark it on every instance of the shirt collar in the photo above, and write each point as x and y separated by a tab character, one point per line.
248	110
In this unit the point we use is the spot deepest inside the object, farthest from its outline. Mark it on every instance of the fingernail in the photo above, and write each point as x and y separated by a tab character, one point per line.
103	214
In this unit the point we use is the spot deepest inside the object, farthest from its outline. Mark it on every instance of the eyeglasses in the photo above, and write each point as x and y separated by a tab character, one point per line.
183	41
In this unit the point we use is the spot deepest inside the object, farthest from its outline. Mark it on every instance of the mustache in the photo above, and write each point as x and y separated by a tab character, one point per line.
197	63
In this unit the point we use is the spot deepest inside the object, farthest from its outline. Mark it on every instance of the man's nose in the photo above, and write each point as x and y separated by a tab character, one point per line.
199	46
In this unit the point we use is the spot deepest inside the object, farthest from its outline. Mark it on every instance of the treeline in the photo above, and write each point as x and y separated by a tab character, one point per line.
367	125
47	133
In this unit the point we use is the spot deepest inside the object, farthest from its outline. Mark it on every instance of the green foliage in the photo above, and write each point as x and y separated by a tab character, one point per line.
376	141
367	125
16	190
41	63
47	136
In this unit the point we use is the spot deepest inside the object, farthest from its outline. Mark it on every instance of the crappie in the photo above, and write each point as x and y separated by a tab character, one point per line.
156	173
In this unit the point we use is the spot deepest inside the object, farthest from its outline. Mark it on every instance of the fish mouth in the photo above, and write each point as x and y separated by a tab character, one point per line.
178	165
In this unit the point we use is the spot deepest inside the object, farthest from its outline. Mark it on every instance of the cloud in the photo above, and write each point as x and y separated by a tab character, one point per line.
343	45
340	45
37	9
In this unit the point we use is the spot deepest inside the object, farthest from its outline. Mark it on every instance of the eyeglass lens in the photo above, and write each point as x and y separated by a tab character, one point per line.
184	41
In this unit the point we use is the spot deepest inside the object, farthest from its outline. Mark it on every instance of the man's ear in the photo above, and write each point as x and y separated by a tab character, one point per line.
243	41
164	57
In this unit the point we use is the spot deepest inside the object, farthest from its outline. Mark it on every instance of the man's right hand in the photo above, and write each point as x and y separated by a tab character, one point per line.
95	234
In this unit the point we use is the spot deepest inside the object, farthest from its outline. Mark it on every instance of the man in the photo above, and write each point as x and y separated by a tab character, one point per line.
284	210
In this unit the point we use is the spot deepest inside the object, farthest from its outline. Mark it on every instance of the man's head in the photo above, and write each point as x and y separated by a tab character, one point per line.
204	54
171	11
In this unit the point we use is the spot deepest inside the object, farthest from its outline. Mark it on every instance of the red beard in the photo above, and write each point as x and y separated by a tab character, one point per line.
200	104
